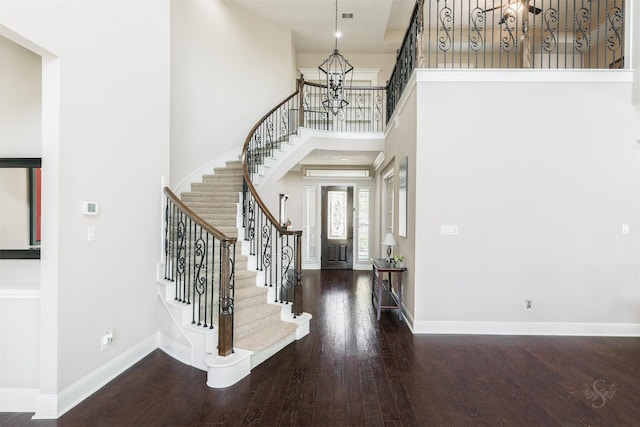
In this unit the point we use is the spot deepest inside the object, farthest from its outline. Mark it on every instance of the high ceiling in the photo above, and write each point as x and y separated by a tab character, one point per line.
377	26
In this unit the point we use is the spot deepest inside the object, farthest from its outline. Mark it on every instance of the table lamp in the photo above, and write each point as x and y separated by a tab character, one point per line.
389	241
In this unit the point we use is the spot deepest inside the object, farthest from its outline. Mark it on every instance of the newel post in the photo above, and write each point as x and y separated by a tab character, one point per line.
301	101
298	294
225	320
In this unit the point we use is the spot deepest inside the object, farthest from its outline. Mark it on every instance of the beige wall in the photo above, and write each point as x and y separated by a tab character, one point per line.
540	191
401	141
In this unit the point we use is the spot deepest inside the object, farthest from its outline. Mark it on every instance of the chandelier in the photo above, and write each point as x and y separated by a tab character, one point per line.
333	71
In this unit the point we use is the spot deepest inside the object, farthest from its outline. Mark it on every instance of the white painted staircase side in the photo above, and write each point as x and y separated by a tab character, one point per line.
298	146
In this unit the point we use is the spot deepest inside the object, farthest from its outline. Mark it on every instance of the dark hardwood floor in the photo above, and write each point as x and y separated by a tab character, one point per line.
353	370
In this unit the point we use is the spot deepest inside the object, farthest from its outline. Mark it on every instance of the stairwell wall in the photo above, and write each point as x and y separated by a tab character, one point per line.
228	68
106	120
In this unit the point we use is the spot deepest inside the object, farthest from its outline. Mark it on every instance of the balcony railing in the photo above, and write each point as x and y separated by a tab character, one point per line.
364	113
547	34
492	34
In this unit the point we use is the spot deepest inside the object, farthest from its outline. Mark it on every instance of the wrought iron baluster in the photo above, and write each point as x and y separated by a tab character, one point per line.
210	300
266	249
199	276
614	40
180	257
476	41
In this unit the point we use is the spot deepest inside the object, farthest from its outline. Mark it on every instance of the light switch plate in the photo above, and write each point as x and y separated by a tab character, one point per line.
449	230
91	233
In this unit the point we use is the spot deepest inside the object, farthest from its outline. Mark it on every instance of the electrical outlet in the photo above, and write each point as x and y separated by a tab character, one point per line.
528	305
106	340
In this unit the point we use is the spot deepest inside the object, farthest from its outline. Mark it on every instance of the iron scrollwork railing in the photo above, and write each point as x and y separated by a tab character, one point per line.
278	251
201	262
491	34
408	58
363	113
543	34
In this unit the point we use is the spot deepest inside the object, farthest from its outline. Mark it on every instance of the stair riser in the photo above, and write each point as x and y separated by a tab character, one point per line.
245	303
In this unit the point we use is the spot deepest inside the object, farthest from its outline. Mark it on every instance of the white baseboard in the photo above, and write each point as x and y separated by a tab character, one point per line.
527	328
46	407
89	384
18	399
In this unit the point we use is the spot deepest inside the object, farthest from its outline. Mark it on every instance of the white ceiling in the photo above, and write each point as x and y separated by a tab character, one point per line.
333	157
377	25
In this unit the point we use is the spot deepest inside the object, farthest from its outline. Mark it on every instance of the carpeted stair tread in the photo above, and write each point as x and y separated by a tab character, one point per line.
263	338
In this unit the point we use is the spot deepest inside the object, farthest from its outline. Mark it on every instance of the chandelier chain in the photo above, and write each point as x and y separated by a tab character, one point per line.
335	35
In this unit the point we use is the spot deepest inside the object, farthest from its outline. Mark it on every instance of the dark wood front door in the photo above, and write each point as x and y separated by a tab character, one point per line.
337	227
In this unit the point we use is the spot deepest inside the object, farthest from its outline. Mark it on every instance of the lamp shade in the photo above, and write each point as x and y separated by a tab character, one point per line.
389	240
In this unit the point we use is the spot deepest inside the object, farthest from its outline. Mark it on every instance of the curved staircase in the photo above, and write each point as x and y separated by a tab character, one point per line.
262	327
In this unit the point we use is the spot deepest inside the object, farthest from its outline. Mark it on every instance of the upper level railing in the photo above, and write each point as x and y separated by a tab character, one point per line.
407	59
201	261
364	113
547	34
491	34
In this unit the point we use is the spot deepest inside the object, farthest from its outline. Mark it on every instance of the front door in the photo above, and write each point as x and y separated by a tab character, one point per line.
337	228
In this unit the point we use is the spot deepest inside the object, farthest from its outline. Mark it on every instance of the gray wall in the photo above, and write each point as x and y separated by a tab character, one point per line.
540	178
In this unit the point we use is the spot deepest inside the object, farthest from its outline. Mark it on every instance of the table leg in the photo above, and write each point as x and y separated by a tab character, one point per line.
400	295
380	287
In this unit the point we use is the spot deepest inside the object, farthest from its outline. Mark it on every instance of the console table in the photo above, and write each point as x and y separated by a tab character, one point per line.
379	284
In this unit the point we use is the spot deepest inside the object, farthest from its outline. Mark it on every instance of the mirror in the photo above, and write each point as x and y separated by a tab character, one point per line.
402	196
20	216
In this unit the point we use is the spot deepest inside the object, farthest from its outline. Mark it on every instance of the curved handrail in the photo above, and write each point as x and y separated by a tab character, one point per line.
197	219
247	176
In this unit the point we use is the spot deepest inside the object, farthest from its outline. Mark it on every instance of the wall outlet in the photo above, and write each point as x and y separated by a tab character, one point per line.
528	304
106	340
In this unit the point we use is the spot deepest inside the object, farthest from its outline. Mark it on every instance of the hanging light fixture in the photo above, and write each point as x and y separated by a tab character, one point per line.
333	71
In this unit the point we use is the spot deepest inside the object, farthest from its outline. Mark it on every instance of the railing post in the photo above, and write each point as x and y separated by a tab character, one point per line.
225	320
301	101
298	293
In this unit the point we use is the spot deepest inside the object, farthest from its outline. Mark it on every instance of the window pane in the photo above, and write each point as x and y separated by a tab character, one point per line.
309	251
337	215
363	224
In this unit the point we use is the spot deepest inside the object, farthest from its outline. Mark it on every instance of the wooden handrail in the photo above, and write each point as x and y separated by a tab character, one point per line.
247	176
197	219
